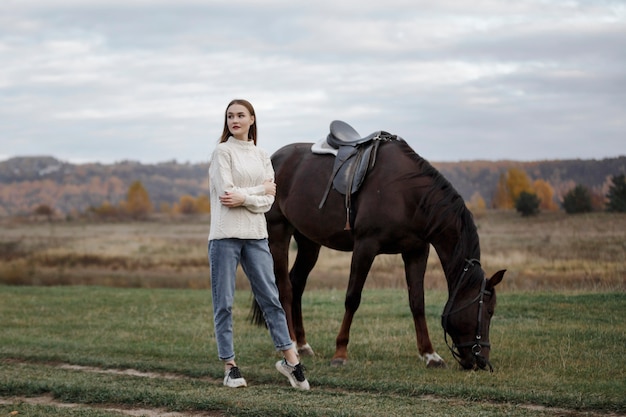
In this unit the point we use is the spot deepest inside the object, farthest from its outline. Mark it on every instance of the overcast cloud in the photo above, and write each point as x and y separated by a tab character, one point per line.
111	80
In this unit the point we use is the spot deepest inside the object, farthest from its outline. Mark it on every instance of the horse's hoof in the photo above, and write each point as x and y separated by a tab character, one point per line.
437	364
338	362
305	350
433	360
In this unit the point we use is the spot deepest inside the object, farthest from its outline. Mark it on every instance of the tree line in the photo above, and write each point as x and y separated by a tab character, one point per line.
137	206
71	189
515	190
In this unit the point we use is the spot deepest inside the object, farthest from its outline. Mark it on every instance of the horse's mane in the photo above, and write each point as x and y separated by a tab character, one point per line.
445	208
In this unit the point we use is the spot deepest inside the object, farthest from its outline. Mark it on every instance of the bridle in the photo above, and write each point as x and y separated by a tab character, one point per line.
477	344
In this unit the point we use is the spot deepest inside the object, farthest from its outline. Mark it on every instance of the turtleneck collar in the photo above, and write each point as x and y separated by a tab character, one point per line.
242	143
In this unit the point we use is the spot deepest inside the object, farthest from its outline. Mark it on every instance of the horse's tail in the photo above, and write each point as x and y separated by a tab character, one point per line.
256	315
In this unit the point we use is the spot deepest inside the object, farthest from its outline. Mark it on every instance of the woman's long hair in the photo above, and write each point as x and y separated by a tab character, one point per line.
251	133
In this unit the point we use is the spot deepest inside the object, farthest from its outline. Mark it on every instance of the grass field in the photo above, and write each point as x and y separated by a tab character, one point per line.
153	349
140	342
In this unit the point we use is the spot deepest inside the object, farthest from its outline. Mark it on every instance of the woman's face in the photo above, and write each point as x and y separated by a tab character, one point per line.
239	121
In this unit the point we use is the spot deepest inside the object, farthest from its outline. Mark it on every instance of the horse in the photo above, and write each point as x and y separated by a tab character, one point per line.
403	206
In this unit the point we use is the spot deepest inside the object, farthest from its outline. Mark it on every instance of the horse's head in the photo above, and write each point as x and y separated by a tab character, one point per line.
467	316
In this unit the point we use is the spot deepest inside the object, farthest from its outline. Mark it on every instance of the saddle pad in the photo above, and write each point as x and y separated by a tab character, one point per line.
322	147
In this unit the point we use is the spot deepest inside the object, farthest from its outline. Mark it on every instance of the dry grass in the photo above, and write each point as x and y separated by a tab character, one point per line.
556	250
549	251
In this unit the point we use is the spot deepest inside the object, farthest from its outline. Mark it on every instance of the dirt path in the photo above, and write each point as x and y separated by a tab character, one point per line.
129	411
48	400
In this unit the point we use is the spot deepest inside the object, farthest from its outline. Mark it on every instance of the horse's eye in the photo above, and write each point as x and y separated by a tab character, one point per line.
490	312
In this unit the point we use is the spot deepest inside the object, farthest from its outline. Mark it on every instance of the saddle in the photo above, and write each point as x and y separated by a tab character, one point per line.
356	155
342	134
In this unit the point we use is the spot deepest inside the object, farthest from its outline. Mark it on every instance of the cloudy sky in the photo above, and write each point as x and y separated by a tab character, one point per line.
149	80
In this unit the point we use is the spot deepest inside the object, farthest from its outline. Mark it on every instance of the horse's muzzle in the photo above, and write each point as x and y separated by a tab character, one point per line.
476	358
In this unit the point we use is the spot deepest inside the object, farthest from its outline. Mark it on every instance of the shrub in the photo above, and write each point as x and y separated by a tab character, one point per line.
106	211
187	205
44	210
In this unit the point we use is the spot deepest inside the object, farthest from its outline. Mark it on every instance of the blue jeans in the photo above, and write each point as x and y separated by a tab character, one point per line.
258	265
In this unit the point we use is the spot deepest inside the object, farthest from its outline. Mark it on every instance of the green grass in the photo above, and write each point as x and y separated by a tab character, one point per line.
551	352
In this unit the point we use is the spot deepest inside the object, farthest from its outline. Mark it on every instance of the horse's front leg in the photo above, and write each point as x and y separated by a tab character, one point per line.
415	268
306	258
362	259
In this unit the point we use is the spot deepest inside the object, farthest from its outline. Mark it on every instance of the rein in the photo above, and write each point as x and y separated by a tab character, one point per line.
477	344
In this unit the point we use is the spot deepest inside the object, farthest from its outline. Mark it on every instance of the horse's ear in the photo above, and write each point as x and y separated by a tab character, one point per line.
496	278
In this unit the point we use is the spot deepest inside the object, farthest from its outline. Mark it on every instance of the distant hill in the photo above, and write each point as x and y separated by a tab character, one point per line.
26	182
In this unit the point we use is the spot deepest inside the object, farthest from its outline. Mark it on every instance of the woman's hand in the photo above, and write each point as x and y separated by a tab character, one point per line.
270	187
236	199
232	199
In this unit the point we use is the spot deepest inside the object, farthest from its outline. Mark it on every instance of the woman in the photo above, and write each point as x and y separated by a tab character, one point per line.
242	189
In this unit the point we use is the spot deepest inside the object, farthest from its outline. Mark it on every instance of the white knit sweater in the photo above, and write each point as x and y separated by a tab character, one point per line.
239	166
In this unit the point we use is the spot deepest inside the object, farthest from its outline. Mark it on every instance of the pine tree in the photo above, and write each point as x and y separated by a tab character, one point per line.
578	200
617	195
527	204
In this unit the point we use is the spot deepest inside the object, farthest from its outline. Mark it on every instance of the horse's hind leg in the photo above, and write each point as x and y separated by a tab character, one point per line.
308	252
415	268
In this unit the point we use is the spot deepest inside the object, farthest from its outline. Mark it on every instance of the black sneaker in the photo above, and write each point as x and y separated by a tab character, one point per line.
294	373
233	378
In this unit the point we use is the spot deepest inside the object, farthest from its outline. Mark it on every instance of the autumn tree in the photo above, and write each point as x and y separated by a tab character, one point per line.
138	204
510	186
502	197
545	193
187	205
107	211
518	182
617	195
165	207
477	204
203	204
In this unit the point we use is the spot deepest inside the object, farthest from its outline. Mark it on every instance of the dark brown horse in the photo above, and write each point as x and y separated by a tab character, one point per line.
403	206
